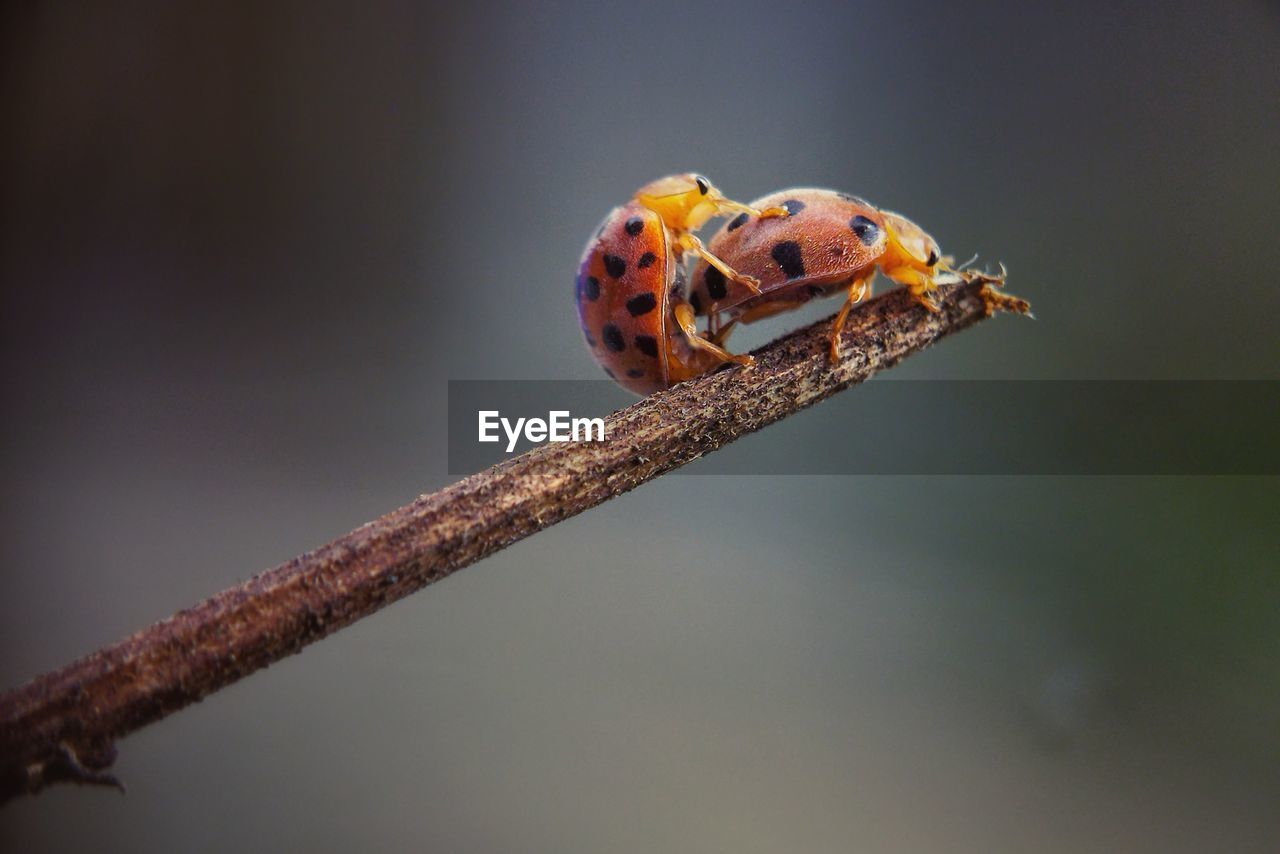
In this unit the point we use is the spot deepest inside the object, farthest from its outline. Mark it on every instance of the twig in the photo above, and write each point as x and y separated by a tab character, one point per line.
62	726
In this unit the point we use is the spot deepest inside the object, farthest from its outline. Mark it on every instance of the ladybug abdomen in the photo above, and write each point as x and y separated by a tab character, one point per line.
828	240
623	301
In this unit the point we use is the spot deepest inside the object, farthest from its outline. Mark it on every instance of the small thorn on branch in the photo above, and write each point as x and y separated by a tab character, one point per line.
65	764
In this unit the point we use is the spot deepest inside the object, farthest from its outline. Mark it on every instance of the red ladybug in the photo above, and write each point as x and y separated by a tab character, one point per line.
829	242
630	290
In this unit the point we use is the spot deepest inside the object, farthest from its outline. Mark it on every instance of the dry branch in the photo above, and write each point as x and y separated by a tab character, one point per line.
62	726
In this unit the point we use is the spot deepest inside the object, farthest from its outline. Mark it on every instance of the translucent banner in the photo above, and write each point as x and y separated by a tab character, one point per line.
1000	427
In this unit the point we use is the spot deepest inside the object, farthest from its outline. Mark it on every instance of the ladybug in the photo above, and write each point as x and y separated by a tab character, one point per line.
631	286
829	242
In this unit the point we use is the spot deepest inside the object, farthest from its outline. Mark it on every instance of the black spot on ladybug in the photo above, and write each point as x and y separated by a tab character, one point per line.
715	283
613	338
614	266
866	230
703	184
737	222
591	288
634	226
645	260
933	257
793	206
648	345
789	257
695	300
642	304
635	373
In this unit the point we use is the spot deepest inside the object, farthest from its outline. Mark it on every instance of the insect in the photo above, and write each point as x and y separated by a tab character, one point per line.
631	284
829	242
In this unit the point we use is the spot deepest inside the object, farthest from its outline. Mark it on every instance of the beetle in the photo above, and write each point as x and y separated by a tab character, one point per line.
829	242
631	291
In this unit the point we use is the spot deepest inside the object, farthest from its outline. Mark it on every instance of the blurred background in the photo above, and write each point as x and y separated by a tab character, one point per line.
245	246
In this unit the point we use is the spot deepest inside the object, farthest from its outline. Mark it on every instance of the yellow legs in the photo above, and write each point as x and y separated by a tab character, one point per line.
686	319
858	291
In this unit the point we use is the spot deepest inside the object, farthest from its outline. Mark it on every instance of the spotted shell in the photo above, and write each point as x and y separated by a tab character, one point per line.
627	281
828	240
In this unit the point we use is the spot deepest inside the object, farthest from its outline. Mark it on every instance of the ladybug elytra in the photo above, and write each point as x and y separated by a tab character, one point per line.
630	289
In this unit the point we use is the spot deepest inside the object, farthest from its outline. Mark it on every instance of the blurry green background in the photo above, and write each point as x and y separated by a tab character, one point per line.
244	246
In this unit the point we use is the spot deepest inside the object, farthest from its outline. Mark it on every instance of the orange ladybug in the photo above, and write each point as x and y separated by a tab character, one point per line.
829	242
630	289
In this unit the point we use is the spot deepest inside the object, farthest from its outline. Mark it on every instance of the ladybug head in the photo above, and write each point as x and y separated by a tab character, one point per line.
682	201
909	244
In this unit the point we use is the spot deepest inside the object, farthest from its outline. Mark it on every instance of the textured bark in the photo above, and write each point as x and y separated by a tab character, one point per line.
62	726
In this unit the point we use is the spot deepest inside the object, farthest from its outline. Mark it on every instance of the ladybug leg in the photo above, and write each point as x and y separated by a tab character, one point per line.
688	325
751	315
690	243
720	335
766	309
921	288
724	207
718	328
919	284
713	326
858	291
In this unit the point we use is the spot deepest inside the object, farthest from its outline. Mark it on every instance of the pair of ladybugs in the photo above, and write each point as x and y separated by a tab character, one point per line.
638	313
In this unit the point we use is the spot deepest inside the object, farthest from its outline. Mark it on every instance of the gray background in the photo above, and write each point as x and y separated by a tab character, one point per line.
245	247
